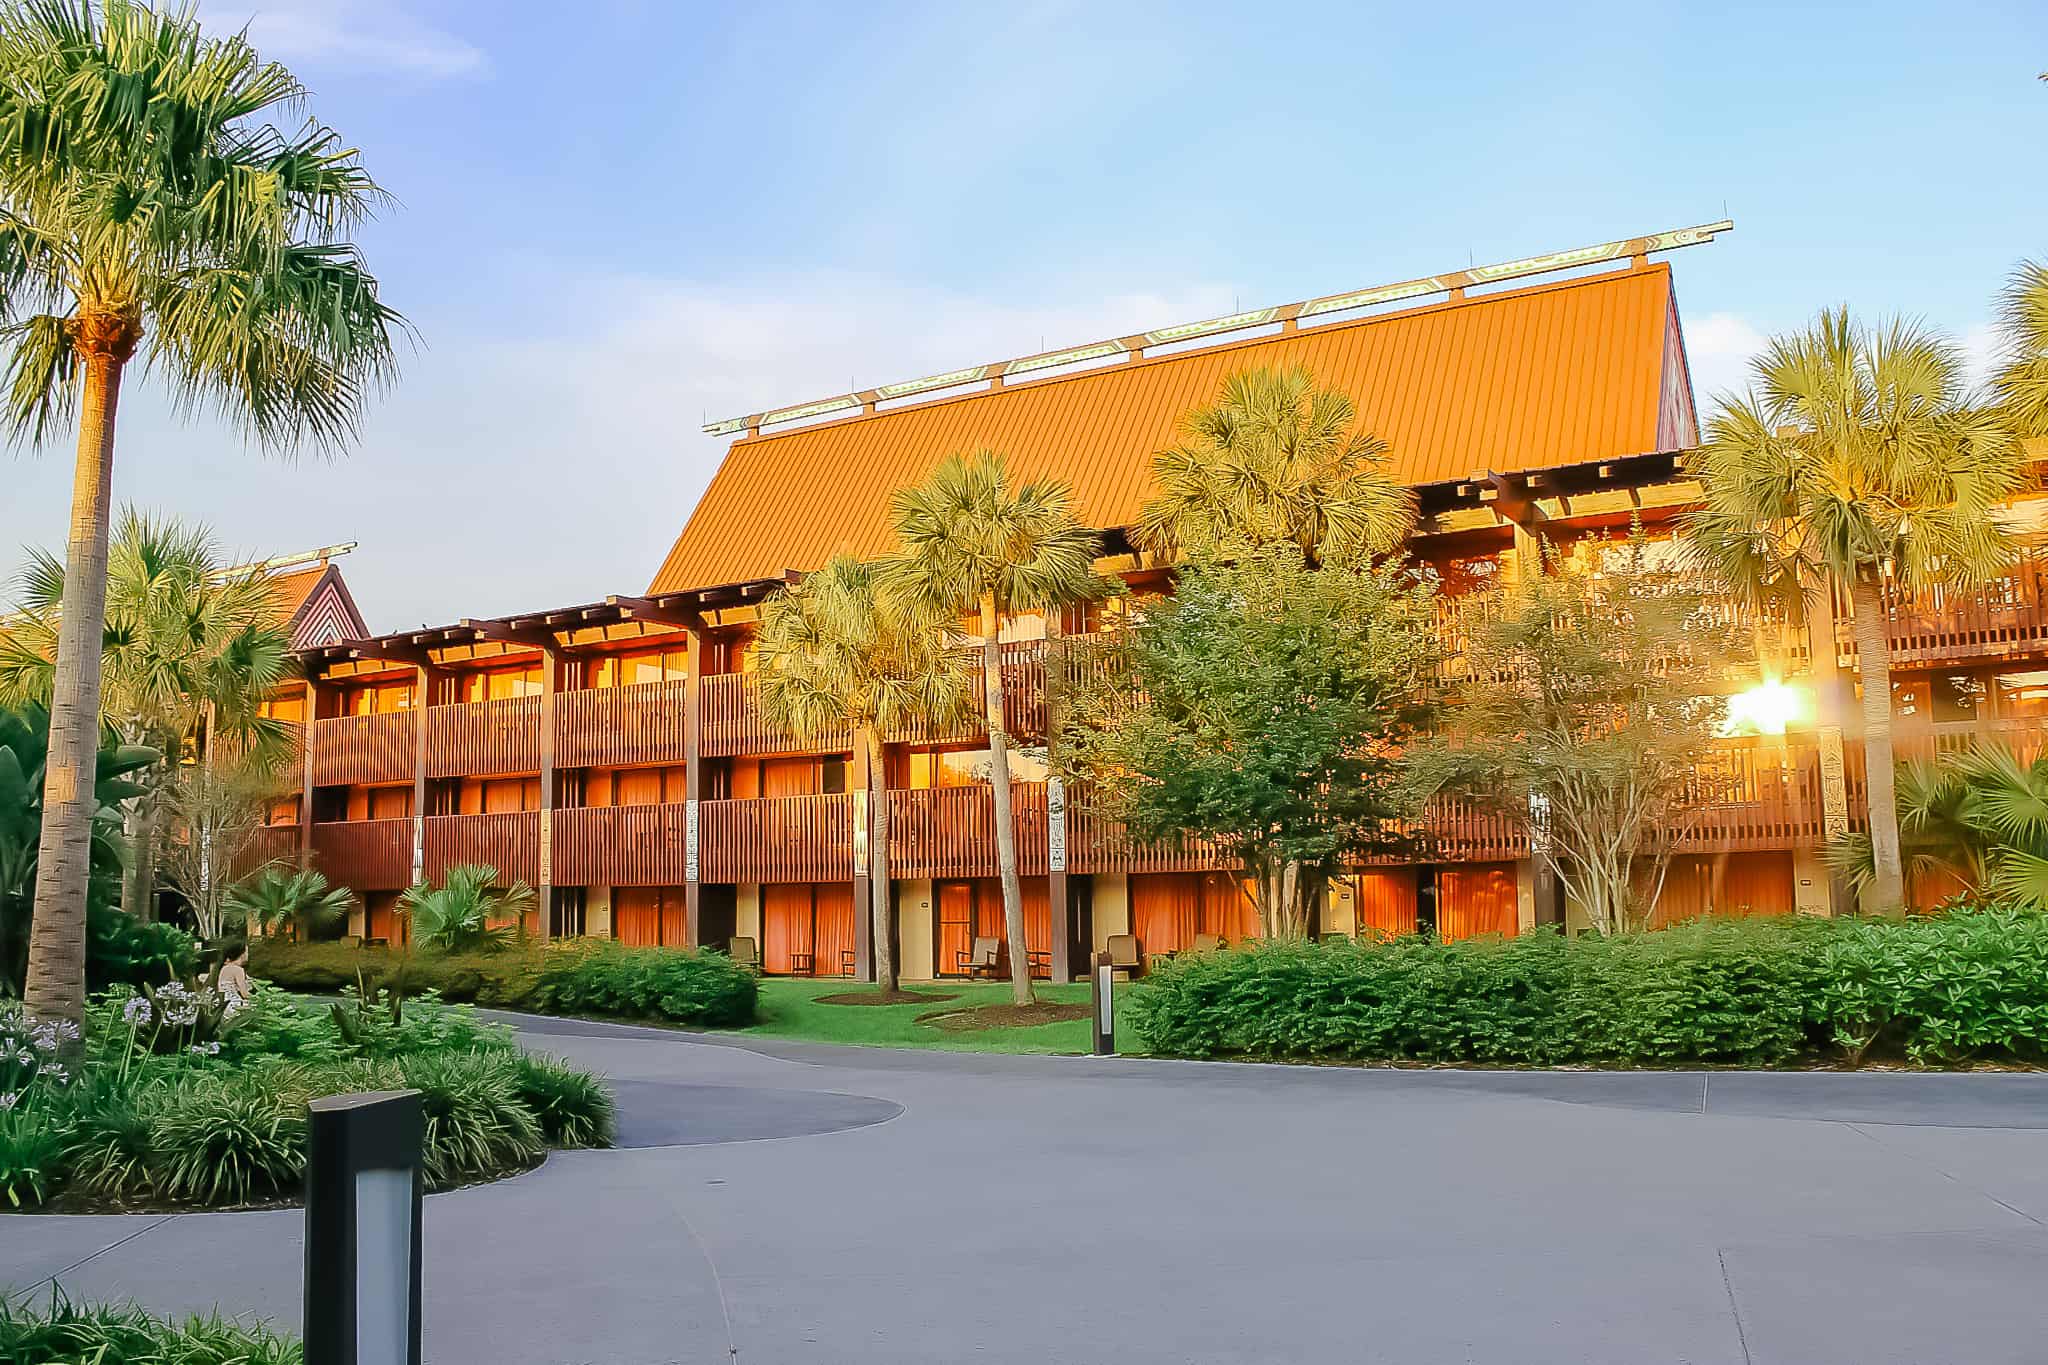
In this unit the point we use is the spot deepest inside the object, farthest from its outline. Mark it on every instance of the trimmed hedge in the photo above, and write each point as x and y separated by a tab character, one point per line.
1969	984
675	985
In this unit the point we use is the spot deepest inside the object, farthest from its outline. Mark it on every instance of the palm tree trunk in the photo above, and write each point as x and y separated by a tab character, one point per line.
1874	664
142	876
999	781
879	888
56	951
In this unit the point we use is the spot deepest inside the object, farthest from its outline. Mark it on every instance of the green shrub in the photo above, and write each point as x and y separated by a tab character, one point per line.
226	1139
32	1145
573	1107
477	1124
1952	987
121	950
687	987
66	1334
499	980
108	1152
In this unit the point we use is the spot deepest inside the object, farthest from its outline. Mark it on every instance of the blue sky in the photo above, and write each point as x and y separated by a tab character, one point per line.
617	218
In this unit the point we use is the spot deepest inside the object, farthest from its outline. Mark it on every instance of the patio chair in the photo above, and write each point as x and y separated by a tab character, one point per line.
846	962
744	951
1207	943
803	964
981	960
1126	954
1039	964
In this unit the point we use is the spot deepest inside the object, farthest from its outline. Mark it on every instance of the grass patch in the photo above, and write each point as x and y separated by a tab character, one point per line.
796	1009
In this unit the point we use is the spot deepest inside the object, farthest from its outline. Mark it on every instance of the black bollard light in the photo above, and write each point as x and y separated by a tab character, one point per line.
363	1189
1104	1005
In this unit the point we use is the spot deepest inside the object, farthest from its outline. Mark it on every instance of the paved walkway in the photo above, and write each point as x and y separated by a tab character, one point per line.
813	1204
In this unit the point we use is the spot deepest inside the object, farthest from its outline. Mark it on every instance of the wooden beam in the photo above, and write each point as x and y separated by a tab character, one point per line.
647	609
550	682
511	635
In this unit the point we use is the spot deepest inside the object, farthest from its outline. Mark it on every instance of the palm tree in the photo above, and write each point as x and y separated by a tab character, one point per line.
832	652
1276	461
298	897
2022	379
146	205
1856	458
973	540
1981	816
189	654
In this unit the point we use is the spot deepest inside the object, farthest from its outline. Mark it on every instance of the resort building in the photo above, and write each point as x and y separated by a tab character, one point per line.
612	754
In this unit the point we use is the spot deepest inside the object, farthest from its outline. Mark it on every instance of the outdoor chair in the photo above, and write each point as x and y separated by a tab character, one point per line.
745	952
981	960
1039	964
846	962
1207	943
1126	954
803	964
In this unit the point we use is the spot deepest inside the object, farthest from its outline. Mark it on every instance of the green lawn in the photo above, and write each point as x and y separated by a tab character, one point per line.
790	1009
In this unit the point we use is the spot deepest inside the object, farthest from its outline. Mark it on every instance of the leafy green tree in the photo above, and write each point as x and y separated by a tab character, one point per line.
1586	708
973	540
1267	706
1856	458
149	207
190	653
2022	379
1276	460
218	810
468	911
832	652
24	750
299	898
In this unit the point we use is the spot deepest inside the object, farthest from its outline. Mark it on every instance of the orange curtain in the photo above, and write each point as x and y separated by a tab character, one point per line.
675	918
785	924
1166	910
1386	901
636	915
832	925
1734	885
1475	899
382	920
988	914
957	926
1929	888
638	787
1229	908
788	777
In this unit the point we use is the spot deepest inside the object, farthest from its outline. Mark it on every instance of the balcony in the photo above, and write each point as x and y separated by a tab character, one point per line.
271	845
484	738
951	831
617	726
1096	843
621	846
2005	617
357	750
507	840
367	855
777	839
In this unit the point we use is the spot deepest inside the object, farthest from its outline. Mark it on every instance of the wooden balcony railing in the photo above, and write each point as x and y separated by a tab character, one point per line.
352	750
1024	693
480	738
951	831
777	839
2006	616
614	726
621	846
272	844
507	840
366	855
733	724
1096	843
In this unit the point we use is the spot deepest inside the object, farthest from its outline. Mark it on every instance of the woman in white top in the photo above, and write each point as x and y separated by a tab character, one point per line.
234	984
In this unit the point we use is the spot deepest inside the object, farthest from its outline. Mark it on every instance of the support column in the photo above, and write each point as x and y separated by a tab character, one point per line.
424	677
693	785
859	773
550	684
1830	705
1549	905
1058	901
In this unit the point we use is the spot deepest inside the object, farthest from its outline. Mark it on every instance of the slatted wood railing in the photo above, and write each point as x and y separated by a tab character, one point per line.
365	855
506	840
271	845
951	831
777	839
733	723
621	846
1096	843
614	726
350	750
481	738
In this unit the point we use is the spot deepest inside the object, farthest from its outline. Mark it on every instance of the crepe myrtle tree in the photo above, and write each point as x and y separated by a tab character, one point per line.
161	198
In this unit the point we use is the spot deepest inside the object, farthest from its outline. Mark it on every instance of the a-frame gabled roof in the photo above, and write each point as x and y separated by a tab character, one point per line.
1571	372
316	606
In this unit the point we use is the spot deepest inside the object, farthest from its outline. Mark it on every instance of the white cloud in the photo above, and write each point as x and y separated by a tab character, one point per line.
1718	348
1981	347
372	36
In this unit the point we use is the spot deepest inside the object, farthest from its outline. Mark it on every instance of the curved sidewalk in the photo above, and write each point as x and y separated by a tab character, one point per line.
795	1202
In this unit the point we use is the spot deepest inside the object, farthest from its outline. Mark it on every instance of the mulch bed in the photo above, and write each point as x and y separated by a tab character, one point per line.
985	1017
884	998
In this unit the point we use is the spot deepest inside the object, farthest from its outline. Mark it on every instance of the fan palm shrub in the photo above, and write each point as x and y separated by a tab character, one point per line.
1856	460
975	541
298	898
468	911
833	651
1980	816
157	205
2021	382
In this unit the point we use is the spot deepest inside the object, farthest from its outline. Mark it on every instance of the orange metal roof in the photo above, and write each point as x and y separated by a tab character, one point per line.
1563	373
290	590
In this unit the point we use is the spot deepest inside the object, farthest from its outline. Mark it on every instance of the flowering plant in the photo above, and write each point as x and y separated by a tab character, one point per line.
30	1053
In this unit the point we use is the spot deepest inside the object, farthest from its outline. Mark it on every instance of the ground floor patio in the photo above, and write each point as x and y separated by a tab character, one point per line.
793	1203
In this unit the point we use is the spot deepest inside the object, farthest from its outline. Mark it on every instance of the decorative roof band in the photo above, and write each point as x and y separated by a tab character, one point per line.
1237	322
